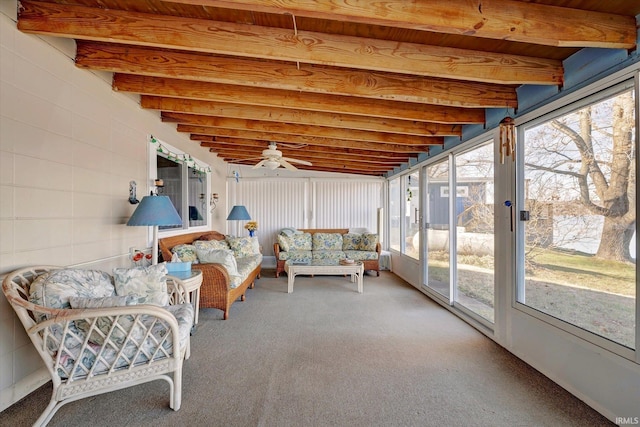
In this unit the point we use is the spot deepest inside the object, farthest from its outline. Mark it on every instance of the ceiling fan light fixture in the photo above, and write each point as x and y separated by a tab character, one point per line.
272	164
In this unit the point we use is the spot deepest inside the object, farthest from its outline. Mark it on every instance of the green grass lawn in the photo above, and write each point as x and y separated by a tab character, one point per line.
583	270
594	294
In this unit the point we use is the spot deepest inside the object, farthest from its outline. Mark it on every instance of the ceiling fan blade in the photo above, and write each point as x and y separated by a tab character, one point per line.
259	164
287	165
302	162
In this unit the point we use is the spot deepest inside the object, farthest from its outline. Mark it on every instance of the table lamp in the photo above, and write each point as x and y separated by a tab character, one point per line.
155	211
238	213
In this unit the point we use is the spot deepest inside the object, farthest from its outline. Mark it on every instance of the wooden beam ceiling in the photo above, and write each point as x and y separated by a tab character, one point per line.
263	97
353	86
303	78
310	47
494	19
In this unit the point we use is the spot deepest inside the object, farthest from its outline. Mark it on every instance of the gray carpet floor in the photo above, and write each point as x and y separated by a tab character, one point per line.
328	356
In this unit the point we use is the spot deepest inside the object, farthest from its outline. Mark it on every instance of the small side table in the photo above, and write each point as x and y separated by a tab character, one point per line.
192	281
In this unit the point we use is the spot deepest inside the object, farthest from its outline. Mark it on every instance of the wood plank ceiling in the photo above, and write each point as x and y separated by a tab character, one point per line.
353	86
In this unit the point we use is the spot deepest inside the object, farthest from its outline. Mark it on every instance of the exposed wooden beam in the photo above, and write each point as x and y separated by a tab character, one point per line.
206	91
347	121
328	163
253	148
279	75
494	19
229	123
381	148
323	166
335	166
308	155
282	44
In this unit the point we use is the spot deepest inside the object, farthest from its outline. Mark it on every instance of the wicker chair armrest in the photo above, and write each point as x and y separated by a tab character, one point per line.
276	249
214	275
378	248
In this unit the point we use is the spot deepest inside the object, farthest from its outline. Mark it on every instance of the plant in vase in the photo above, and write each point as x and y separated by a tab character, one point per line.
141	259
252	226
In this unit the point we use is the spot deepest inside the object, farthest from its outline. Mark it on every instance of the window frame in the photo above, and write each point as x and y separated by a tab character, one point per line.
577	100
153	151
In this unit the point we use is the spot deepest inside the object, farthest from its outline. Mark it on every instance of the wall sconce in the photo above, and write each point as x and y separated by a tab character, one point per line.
159	185
214	200
132	193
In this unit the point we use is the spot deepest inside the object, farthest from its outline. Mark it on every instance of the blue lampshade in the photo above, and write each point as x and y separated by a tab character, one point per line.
155	210
238	212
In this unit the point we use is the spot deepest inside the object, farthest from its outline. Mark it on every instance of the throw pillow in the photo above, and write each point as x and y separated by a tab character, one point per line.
284	242
244	246
211	244
53	289
104	302
147	283
327	242
300	242
185	253
351	241
369	242
219	256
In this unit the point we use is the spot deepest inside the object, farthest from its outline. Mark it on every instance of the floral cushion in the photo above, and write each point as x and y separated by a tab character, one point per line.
244	246
185	253
328	255
295	242
219	256
104	324
295	256
369	242
104	302
327	242
53	289
245	266
284	242
147	283
351	241
361	255
211	244
129	353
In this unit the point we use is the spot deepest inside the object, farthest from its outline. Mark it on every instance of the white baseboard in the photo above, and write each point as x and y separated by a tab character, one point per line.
22	388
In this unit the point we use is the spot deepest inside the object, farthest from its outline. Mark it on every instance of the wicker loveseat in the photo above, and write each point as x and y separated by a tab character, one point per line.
89	351
219	289
327	243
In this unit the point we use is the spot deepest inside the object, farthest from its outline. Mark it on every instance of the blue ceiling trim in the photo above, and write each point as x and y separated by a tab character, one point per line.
580	69
493	116
471	131
584	64
533	95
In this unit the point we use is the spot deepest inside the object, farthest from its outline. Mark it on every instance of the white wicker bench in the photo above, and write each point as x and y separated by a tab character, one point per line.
96	350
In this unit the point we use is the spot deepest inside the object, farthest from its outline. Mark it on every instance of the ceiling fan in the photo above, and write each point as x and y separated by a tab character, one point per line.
272	159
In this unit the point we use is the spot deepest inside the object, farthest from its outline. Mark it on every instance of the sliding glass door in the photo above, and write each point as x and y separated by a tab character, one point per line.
474	219
436	221
578	217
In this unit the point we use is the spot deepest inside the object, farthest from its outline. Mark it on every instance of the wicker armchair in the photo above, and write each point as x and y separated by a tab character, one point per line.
117	347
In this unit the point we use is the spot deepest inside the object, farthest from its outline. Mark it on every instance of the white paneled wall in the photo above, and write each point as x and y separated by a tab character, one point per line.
305	202
346	204
275	203
69	146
